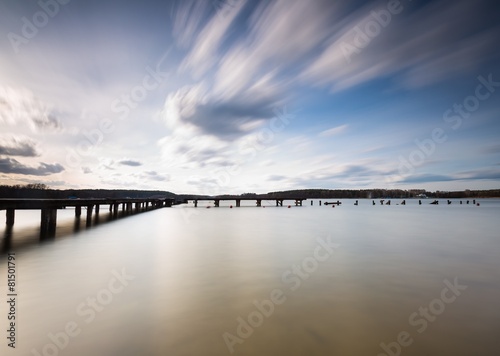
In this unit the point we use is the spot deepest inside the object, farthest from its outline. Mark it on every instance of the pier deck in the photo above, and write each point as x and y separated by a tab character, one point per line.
49	207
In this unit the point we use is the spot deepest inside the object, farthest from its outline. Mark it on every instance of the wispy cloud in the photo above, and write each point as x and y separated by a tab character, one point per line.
334	131
420	61
479	174
23	107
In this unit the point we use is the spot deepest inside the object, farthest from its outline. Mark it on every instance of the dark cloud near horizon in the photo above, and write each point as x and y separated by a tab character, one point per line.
18	147
12	166
483	174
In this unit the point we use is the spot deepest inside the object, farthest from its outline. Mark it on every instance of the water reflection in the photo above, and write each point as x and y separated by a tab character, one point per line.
7	239
196	280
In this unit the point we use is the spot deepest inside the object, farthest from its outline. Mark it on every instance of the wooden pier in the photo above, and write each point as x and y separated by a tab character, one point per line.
49	208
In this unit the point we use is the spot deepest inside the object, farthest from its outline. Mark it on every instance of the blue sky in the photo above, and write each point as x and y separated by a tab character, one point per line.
236	96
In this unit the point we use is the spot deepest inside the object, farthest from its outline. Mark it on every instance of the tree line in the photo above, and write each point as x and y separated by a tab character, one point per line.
41	191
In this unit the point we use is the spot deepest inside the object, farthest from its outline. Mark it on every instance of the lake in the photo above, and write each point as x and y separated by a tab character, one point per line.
311	280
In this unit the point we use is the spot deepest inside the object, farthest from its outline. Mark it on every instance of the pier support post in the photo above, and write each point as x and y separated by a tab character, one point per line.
238	203
90	208
11	213
78	211
216	203
115	209
259	202
196	203
48	223
97	208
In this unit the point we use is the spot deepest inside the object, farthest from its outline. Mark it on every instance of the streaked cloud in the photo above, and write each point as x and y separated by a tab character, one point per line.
20	106
231	65
334	131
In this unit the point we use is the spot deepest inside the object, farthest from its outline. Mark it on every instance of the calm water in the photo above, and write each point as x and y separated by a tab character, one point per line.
261	281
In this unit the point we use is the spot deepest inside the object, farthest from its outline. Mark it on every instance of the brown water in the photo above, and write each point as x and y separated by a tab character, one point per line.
327	281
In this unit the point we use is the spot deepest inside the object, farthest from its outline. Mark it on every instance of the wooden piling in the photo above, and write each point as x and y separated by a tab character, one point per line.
10	217
48	222
90	208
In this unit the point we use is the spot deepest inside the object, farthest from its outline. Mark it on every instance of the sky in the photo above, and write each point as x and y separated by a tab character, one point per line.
235	96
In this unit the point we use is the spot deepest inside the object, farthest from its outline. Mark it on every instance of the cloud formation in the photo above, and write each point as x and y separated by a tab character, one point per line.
12	166
18	146
130	163
23	107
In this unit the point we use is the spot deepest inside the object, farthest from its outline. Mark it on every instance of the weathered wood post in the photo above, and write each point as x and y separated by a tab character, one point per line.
48	223
238	203
78	211
90	208
10	217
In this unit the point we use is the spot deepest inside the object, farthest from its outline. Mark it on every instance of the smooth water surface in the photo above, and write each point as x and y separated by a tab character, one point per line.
311	280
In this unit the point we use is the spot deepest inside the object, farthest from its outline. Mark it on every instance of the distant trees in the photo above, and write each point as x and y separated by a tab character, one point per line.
42	191
39	186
